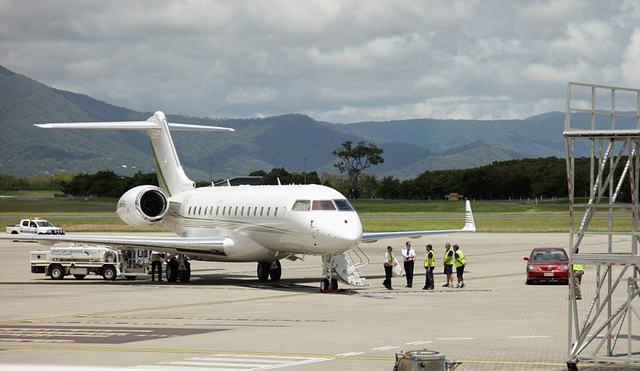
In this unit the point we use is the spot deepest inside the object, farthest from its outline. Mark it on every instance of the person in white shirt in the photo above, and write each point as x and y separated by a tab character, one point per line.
409	255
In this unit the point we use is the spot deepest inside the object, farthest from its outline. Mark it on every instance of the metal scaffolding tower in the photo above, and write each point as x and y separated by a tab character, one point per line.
609	332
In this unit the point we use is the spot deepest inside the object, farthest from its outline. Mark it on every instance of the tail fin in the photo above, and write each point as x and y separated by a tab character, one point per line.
171	176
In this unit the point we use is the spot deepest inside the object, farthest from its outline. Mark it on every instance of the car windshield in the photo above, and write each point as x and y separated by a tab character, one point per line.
543	255
44	223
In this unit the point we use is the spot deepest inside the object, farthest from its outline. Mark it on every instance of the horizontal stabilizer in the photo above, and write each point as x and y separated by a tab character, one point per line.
130	125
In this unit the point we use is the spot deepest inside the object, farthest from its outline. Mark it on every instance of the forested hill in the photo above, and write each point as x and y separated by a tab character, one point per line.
410	147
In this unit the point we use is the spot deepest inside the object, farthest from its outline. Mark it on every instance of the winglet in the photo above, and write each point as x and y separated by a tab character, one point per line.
469	223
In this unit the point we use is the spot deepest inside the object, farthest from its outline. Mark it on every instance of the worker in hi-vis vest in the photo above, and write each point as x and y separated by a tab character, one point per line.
460	262
389	263
578	272
429	266
448	264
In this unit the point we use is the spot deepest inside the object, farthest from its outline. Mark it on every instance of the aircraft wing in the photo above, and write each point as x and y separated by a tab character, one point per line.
210	247
469	226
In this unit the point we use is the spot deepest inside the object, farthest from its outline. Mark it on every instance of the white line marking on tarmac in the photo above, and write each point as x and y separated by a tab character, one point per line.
349	354
455	338
235	362
388	347
528	337
418	342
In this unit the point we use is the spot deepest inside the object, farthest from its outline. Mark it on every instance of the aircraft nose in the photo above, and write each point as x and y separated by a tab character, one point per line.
349	232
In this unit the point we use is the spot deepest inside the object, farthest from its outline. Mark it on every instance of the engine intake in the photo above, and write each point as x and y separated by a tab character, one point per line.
143	206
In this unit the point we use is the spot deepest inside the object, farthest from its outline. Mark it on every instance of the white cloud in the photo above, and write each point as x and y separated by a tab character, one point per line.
334	60
631	61
250	95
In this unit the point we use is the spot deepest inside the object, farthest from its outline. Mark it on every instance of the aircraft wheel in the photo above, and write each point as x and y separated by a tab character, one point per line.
79	276
276	271
264	268
334	284
56	272
185	275
109	272
172	271
325	285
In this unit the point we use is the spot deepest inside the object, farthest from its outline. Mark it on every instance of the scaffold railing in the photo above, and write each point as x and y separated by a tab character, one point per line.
608	118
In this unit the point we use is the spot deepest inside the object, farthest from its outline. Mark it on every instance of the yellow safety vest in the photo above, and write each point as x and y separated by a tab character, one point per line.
461	257
448	261
578	267
426	259
389	258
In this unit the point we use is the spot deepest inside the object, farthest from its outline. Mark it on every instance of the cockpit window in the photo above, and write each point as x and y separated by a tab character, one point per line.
301	205
343	205
323	205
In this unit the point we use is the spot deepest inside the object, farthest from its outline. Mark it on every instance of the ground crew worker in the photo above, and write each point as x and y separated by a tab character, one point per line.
429	265
460	262
156	265
448	264
409	256
389	263
578	272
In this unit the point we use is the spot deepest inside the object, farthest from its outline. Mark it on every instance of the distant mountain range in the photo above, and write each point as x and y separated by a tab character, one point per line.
290	141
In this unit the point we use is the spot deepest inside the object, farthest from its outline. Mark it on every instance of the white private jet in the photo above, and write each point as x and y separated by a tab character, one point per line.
234	224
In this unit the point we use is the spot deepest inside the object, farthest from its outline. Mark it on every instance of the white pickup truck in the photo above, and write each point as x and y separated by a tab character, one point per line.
34	226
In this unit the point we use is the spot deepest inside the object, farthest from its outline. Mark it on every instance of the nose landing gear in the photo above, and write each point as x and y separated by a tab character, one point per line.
336	266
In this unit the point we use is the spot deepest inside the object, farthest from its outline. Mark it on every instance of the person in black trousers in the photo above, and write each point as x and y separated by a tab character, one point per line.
389	263
409	256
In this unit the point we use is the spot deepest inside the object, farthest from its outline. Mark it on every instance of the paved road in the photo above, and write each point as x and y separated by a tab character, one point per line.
226	320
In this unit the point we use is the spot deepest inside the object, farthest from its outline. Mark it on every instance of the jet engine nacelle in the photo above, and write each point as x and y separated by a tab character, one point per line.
143	206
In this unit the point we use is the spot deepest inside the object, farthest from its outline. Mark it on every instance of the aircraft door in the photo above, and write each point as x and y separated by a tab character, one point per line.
215	212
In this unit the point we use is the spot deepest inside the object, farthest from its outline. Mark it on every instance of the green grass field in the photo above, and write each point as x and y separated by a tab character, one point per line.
98	214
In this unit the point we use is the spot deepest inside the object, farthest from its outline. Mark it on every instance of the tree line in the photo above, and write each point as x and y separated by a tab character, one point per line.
500	180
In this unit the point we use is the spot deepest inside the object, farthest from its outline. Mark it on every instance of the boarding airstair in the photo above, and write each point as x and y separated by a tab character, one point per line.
345	267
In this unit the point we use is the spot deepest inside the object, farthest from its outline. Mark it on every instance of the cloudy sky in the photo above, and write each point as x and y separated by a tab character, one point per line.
339	61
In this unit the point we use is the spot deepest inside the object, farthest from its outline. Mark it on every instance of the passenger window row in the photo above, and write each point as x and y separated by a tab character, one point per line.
243	211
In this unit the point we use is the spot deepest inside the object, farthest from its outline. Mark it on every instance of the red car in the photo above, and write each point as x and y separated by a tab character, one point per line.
547	264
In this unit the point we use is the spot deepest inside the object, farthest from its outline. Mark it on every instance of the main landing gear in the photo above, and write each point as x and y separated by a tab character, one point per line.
178	268
269	269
